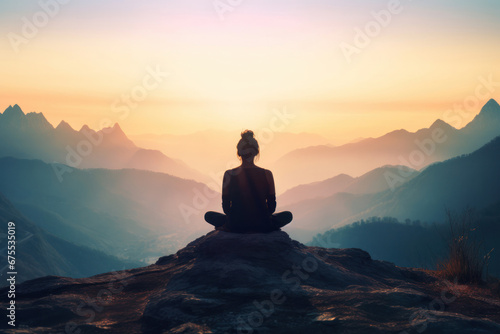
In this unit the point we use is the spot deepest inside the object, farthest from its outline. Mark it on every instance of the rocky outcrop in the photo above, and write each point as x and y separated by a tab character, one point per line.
257	283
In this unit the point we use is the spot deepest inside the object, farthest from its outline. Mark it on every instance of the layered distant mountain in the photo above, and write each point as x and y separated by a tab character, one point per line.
39	253
469	180
439	142
415	243
374	181
131	214
215	151
31	136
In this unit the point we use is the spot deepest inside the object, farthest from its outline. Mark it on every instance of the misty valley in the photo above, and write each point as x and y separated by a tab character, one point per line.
123	206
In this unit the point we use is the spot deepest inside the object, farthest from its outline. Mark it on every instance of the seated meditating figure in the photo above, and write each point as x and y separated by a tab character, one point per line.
248	195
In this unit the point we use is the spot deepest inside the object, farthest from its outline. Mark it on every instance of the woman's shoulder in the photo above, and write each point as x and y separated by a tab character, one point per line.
269	175
231	172
262	170
267	171
238	170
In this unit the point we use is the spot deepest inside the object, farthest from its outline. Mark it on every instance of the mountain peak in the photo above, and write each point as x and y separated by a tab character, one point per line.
14	118
13	111
116	136
37	120
32	121
439	123
64	126
487	121
491	106
115	129
117	132
396	134
85	128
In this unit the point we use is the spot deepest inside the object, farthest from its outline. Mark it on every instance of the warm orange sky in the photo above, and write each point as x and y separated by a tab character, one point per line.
232	73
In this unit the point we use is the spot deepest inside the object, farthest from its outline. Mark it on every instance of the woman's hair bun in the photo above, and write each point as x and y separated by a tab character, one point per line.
247	134
247	146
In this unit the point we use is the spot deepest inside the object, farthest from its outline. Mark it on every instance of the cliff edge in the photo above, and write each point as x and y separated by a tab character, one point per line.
255	283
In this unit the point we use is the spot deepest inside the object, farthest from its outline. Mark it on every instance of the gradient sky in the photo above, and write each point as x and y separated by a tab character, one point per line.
265	54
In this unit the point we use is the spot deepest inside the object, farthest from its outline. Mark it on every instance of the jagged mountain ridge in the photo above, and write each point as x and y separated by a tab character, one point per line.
399	147
469	180
31	136
256	283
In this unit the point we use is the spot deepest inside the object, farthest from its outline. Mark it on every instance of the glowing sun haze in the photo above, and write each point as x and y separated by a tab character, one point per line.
229	74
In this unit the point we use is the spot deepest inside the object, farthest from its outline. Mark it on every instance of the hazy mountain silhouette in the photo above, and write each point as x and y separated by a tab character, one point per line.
469	180
39	253
408	244
414	243
131	214
377	180
372	182
395	148
234	283
213	152
31	136
313	190
485	125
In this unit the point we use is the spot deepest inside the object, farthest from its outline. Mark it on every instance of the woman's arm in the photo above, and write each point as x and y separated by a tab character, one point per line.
271	196
226	196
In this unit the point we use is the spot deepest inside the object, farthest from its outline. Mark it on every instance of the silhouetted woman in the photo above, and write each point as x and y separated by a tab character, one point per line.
248	195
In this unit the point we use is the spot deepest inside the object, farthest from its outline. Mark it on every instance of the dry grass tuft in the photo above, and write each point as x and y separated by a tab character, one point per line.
465	262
